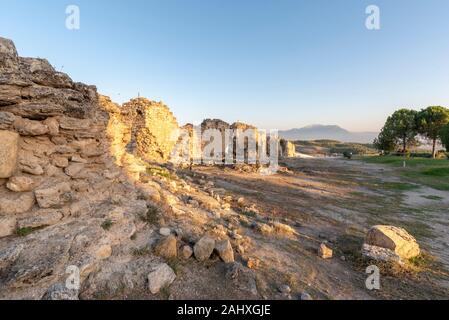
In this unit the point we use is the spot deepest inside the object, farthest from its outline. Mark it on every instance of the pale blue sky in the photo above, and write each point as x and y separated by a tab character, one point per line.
276	64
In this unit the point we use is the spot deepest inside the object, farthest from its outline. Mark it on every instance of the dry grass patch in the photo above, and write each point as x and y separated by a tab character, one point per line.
283	229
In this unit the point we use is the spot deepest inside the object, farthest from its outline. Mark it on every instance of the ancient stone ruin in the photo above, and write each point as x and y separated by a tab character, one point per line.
87	186
154	129
287	149
81	178
57	175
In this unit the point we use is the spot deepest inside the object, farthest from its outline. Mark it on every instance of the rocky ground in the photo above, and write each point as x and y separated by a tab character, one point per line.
85	185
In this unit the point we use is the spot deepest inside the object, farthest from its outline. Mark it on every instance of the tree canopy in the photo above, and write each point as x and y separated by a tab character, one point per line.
399	129
404	125
430	122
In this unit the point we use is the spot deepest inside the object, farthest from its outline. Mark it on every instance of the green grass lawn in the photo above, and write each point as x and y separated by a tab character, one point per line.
433	173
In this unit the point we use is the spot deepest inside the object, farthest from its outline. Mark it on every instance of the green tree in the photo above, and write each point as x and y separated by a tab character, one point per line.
444	135
430	122
399	129
385	141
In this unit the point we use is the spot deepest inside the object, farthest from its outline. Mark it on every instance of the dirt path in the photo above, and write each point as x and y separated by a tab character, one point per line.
335	201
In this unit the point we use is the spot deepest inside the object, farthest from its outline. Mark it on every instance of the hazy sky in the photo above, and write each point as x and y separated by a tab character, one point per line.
276	64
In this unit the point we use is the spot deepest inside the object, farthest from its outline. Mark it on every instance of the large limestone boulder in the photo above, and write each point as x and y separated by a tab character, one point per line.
8	153
395	239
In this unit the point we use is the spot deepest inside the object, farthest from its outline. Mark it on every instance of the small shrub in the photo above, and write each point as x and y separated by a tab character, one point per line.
107	224
283	229
158	171
249	213
23	232
151	216
422	262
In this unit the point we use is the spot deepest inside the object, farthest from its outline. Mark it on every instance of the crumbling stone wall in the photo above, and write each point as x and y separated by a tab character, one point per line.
287	149
221	126
58	180
153	129
52	141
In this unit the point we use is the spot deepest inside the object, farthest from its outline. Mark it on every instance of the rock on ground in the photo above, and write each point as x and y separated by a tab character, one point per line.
164	232
167	247
395	239
60	292
161	276
225	251
325	252
306	296
380	254
204	248
186	252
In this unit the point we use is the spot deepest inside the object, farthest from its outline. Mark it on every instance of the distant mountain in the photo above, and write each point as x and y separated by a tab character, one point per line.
331	132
